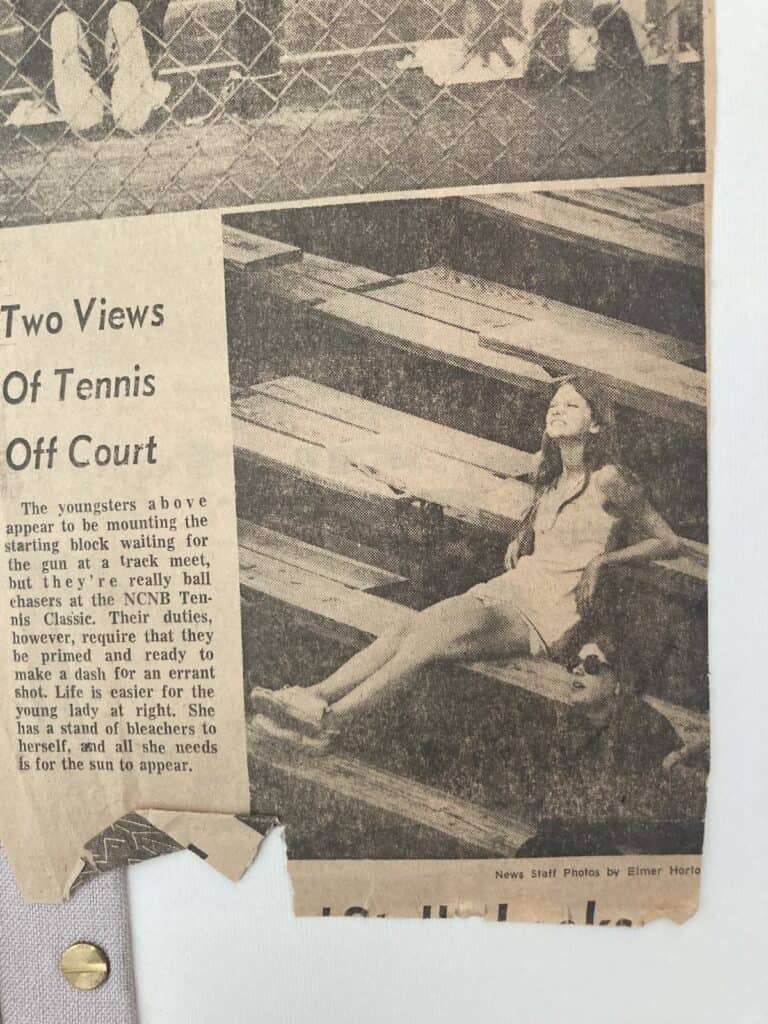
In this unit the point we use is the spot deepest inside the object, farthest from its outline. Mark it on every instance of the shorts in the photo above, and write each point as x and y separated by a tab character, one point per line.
546	600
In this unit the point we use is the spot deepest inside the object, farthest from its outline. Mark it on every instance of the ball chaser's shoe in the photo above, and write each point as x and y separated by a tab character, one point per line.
134	94
160	93
309	743
32	112
79	98
292	706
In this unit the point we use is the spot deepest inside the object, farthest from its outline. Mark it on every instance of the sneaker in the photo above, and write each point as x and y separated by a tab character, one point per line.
292	706
31	112
81	102
311	743
133	87
160	93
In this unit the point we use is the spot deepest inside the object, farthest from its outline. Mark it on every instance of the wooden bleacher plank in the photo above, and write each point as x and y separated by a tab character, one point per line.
387	464
500	459
327	564
673	195
342	275
305	460
444	307
358	614
245	249
361	616
538	309
450	816
284	418
291	286
627	203
311	280
636	379
688	220
363	315
340	454
678	221
306	274
593	229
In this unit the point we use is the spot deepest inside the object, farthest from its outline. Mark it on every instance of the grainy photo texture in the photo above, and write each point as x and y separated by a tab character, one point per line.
470	465
115	107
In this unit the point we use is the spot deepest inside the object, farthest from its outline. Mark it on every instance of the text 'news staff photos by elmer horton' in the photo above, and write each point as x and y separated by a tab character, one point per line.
117	107
470	465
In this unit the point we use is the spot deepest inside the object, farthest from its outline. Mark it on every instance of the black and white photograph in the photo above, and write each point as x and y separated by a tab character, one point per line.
121	107
470	444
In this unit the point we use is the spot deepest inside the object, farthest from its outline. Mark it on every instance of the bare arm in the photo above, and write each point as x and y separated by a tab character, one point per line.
513	549
510	557
659	540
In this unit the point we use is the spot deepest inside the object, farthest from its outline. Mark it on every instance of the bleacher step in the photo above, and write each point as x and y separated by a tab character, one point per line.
528	343
357	617
654	386
686	220
245	249
291	286
346	613
310	280
404	799
343	275
293	554
383	467
366	316
371	417
596	230
543	313
379	455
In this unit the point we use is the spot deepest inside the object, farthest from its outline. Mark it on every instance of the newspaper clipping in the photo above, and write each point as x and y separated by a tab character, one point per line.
471	497
121	683
381	517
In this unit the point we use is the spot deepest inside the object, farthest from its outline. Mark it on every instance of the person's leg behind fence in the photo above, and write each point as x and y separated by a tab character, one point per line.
135	92
79	97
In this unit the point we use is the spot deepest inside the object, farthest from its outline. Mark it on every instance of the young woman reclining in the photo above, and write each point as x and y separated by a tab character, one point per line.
583	504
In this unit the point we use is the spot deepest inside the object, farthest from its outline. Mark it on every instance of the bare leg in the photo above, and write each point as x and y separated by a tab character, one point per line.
461	628
133	87
305	706
79	98
359	666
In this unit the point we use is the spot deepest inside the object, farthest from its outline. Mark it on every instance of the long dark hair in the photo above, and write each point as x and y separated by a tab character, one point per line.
600	449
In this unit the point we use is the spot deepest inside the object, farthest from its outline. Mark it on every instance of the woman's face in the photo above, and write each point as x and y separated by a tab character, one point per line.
569	415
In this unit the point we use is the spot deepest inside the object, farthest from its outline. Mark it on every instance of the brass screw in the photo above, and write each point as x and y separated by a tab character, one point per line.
84	965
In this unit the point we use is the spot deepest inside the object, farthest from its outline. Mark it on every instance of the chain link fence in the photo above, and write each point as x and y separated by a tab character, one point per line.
112	107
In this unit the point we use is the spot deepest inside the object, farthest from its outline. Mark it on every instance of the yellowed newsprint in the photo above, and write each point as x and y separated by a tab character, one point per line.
121	683
362	488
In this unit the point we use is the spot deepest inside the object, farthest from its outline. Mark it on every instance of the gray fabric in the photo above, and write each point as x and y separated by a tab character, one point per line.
32	938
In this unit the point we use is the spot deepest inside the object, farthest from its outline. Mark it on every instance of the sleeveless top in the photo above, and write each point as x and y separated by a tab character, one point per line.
570	529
